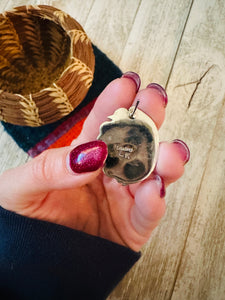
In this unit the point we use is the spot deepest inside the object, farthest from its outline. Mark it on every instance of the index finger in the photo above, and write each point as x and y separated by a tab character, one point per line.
119	93
123	93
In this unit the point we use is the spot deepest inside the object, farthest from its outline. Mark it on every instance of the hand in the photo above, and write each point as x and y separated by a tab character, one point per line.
47	189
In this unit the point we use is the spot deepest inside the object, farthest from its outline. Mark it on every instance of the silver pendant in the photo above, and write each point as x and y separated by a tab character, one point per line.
132	140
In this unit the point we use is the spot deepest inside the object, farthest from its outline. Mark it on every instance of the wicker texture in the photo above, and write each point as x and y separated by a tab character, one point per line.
46	65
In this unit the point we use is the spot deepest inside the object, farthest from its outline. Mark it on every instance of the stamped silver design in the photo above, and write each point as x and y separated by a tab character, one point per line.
132	140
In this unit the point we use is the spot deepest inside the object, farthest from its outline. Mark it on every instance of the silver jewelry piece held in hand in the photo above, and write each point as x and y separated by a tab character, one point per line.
132	140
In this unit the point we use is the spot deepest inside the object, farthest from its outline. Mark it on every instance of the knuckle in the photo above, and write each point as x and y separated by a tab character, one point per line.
40	167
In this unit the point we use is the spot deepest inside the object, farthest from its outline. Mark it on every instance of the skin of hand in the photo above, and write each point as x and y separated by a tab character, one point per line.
47	189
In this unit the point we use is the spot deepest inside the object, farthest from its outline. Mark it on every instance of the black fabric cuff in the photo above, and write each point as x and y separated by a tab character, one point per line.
42	260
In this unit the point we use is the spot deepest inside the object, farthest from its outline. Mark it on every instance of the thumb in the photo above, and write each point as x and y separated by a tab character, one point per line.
55	169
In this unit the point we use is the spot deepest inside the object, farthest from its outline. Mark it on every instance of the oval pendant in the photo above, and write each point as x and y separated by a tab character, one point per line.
132	140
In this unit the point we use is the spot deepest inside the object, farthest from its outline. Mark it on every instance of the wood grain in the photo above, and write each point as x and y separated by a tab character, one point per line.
109	24
154	39
10	154
181	45
201	272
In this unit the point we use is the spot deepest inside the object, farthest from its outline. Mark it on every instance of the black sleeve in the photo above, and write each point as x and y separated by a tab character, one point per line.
42	260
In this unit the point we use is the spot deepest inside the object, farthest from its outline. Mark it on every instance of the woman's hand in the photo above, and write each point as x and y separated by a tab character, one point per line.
46	188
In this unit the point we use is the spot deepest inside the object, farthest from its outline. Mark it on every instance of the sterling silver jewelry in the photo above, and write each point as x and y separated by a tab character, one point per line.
132	140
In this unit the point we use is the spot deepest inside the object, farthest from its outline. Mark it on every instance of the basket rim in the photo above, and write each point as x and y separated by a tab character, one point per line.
81	64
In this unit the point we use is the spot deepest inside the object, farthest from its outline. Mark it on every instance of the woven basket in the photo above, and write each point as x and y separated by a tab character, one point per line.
46	65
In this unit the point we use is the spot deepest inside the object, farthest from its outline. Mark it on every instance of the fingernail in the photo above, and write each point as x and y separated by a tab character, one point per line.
184	150
160	181
160	90
135	77
88	157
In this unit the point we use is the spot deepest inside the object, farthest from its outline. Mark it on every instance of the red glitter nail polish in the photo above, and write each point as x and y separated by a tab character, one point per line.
160	90
162	191
133	76
88	157
184	150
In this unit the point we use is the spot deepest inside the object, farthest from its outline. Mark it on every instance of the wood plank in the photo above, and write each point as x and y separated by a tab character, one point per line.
153	41
77	8
10	154
9	4
109	24
201	273
196	93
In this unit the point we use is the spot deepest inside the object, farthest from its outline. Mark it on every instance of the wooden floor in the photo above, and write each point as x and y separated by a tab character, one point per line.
179	44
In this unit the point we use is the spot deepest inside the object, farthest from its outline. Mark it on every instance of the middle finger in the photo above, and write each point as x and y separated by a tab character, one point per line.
153	101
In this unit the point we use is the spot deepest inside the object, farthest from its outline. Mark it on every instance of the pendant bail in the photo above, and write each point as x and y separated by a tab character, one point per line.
131	114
